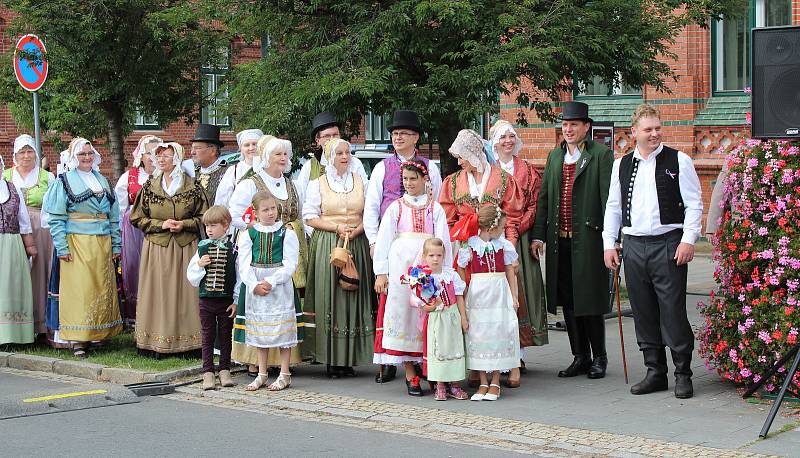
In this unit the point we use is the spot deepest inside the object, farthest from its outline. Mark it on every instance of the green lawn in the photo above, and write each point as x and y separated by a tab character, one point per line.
120	352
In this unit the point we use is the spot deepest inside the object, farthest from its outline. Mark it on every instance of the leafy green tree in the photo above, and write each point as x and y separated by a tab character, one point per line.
108	58
448	60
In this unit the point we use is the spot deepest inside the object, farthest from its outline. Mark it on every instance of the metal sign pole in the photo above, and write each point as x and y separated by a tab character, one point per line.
36	123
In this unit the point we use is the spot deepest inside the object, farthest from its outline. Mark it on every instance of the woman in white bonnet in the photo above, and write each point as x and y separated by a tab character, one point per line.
247	141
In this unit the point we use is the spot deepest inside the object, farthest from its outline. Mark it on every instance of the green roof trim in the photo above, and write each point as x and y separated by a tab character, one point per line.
724	111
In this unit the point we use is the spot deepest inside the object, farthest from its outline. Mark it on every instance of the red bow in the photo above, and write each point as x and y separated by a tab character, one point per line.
464	228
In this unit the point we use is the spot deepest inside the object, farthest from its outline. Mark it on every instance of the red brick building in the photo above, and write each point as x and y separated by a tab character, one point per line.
703	115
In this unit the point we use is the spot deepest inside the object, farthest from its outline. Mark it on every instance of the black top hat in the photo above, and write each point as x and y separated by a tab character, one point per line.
575	111
405	119
321	121
208	133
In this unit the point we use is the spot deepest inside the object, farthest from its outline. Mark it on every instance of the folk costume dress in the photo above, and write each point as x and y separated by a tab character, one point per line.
33	188
167	315
16	295
289	200
444	357
344	330
405	226
83	215
128	186
269	253
492	340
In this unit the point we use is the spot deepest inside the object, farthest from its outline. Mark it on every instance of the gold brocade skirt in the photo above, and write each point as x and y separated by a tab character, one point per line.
88	306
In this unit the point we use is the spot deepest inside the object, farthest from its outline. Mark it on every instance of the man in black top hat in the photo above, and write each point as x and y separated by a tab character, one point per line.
569	218
324	127
208	166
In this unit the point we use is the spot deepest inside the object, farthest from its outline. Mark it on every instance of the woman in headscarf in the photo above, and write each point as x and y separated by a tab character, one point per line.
33	181
532	312
16	244
126	189
83	215
344	328
247	141
475	185
273	160
169	210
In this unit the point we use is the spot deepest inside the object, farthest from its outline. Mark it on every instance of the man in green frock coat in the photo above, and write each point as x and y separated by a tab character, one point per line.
569	220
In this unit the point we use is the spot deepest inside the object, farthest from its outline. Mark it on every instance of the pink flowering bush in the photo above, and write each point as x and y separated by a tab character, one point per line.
753	317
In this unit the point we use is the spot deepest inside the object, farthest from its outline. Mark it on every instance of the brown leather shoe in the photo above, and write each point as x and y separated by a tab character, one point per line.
225	378
209	383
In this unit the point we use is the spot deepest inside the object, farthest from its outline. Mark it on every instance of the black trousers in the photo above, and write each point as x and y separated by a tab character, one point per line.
657	290
587	333
214	321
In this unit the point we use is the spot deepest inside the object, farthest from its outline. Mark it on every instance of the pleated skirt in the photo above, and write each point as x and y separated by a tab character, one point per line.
532	312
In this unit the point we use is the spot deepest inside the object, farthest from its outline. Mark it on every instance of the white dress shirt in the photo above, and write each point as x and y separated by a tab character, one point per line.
372	204
645	213
121	189
571	158
177	181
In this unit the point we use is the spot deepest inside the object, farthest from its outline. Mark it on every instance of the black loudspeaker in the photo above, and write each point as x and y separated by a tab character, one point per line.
776	82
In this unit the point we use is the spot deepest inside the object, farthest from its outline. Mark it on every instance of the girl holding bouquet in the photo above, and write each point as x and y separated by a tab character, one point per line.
443	355
492	339
406	224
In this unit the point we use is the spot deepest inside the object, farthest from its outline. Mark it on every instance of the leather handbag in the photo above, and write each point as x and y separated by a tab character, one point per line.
348	276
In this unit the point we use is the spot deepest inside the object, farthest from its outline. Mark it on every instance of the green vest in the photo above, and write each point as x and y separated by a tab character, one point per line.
317	169
267	247
35	194
220	279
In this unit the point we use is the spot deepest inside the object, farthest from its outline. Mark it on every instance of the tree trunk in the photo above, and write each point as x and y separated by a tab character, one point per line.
448	128
115	142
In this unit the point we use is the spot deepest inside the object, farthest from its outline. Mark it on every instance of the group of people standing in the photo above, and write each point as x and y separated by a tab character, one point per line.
240	256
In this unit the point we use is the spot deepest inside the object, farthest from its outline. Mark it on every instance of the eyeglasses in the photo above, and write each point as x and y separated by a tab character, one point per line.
84	153
194	149
164	156
402	133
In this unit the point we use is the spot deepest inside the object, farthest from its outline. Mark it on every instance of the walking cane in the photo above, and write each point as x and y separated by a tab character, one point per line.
615	275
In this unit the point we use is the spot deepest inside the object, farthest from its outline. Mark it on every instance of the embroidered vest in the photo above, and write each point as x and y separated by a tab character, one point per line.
448	294
133	184
413	219
491	262
668	186
35	194
220	279
210	181
342	207
565	202
290	207
9	211
393	180
267	248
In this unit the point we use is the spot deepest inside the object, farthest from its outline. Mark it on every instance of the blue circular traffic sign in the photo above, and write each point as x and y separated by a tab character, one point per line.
30	65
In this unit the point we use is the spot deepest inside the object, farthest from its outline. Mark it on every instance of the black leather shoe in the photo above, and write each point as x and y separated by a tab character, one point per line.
651	383
598	369
683	375
386	374
683	387
413	387
580	365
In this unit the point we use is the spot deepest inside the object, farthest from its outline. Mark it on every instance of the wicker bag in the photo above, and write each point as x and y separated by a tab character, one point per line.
340	255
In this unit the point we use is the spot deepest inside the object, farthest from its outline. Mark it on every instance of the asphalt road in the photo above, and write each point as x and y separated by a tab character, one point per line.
163	427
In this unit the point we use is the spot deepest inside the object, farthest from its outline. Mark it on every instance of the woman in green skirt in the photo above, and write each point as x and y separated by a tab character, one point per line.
343	331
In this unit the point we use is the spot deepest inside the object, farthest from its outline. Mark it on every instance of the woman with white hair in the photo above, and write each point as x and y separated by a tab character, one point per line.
83	215
247	141
128	186
169	210
532	312
272	162
33	181
344	329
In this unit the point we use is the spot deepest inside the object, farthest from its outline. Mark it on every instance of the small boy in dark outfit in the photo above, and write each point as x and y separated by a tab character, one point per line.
213	270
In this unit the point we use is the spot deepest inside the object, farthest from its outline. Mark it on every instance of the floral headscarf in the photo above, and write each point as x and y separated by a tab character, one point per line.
468	145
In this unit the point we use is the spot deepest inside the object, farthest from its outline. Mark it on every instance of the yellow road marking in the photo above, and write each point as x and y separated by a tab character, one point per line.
65	395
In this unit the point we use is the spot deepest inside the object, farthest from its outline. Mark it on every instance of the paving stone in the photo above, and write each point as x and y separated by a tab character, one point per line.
80	369
31	362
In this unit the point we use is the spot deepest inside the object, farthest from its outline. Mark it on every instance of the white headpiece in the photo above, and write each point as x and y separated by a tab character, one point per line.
177	155
499	129
267	146
140	149
21	142
328	153
248	134
468	145
76	147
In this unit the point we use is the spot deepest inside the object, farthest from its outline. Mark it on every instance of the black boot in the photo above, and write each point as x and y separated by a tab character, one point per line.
386	373
656	379
580	365
598	369
683	375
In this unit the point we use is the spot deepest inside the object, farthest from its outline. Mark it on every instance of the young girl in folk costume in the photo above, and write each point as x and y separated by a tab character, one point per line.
492	339
16	244
268	254
406	224
443	352
127	188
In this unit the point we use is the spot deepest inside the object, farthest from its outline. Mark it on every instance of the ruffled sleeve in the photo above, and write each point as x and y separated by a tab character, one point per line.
509	253
464	256
240	201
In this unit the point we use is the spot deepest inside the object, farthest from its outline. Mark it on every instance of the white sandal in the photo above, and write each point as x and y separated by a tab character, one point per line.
490	396
479	396
283	381
260	381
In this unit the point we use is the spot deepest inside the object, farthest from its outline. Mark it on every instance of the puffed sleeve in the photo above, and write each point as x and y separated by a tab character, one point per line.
291	252
195	273
383	241
509	253
436	179
311	207
464	256
55	204
240	201
121	192
458	284
304	176
446	200
244	254
226	186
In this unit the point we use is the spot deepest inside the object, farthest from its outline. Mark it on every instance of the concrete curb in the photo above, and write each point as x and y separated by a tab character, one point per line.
91	371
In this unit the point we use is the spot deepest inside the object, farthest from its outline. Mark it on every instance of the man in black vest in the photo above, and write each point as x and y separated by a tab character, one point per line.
655	198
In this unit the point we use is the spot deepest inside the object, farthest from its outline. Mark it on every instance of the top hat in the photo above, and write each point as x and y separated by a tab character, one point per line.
575	111
208	133
405	119
323	120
